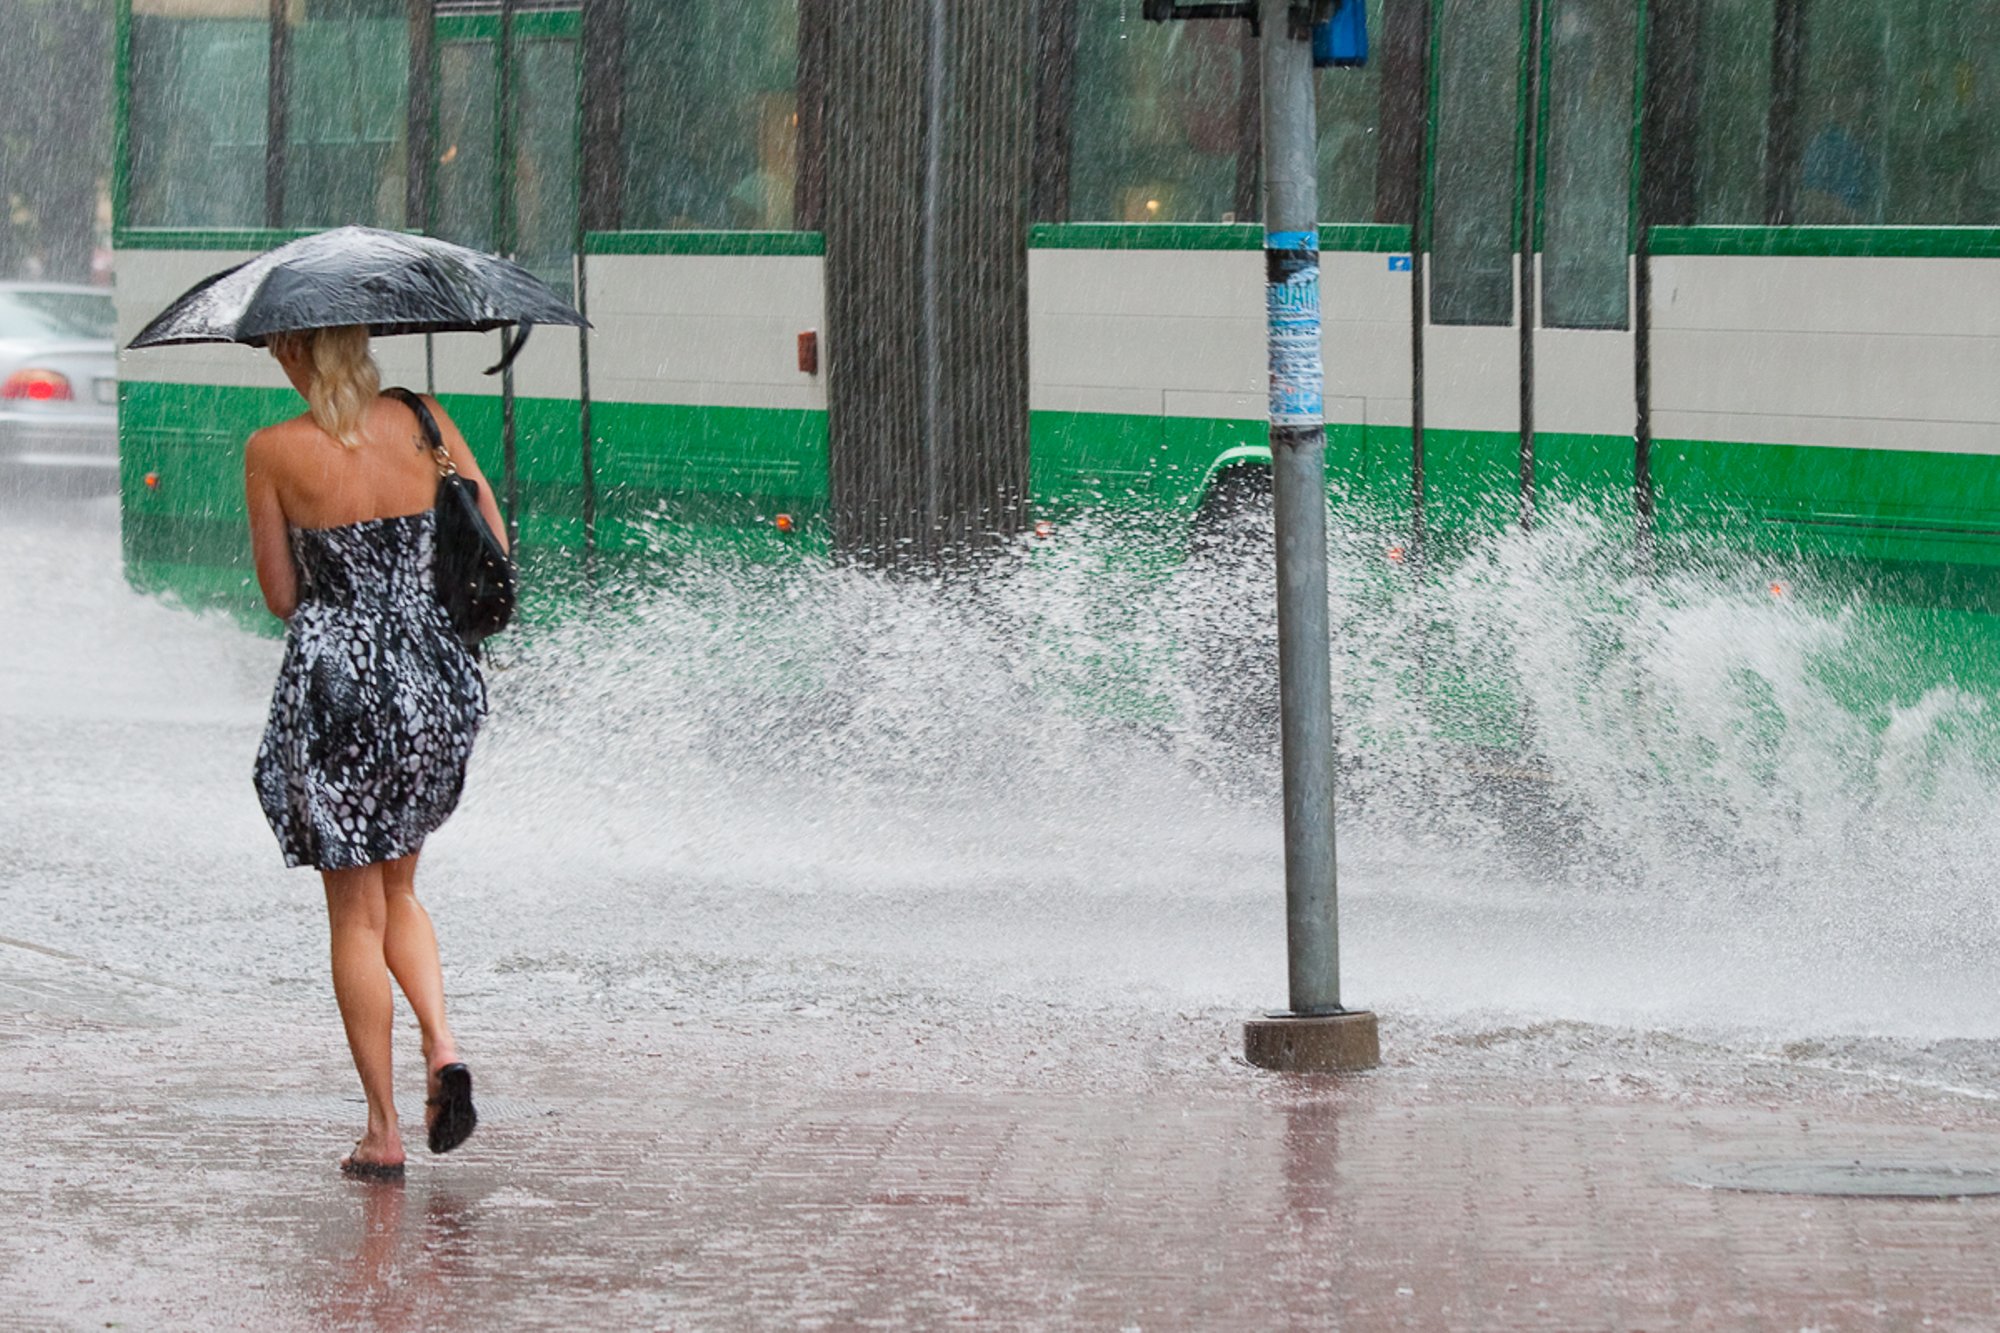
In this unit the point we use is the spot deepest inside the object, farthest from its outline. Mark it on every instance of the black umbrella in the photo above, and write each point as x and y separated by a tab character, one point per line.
391	282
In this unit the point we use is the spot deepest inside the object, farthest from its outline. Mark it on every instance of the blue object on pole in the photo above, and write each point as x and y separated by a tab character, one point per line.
1342	41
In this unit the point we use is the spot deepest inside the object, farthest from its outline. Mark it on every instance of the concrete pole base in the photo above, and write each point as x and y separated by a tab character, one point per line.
1328	1044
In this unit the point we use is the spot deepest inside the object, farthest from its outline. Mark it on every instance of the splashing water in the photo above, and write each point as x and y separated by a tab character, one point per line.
1571	789
1568	786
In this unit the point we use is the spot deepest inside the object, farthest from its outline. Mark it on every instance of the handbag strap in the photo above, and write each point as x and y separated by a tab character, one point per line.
432	436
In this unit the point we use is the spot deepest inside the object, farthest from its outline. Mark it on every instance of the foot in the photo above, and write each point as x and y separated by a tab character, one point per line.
376	1156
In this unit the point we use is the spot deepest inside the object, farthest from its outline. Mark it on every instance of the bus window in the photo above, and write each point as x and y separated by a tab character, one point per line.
346	112
1881	112
1899	113
1163	123
1587	212
1351	112
198	80
468	121
1472	215
711	117
1733	107
546	88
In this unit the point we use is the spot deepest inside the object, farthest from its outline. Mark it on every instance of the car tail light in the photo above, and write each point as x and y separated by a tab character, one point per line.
36	386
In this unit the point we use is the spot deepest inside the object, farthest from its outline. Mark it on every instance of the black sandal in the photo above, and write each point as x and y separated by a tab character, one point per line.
360	1170
456	1118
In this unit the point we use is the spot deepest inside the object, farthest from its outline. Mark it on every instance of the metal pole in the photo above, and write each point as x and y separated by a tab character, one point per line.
1317	1033
277	107
504	129
1530	268
1298	458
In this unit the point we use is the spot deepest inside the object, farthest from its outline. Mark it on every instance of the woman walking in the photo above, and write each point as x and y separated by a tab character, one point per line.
377	702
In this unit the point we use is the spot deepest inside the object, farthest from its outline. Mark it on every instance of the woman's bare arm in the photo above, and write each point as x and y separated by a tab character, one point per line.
270	542
468	466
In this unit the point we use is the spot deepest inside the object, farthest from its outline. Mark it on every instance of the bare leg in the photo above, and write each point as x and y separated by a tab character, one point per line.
410	945
358	915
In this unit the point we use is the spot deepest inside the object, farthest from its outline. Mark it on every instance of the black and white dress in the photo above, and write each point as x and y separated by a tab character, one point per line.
377	702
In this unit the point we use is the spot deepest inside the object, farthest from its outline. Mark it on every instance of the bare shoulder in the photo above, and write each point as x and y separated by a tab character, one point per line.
270	447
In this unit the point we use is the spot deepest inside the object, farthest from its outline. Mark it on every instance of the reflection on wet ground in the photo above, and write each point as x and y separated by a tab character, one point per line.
405	1249
730	1081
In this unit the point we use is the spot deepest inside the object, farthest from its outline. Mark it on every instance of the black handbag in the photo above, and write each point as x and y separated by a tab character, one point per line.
475	577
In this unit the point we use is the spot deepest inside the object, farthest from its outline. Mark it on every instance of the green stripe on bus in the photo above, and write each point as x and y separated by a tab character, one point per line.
1145	236
1830	242
248	239
1363	237
526	25
704	243
685	470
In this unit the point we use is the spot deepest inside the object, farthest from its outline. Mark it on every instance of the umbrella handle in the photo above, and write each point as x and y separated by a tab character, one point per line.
511	344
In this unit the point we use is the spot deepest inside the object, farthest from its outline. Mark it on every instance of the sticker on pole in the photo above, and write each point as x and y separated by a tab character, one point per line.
1291	292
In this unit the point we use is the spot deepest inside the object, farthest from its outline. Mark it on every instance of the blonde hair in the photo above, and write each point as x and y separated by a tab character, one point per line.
345	379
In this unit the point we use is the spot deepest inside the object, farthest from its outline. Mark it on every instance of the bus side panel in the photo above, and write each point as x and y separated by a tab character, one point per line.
1818	398
1121	342
1838	417
1365	306
704	420
1472	424
548	433
1585	416
1147	370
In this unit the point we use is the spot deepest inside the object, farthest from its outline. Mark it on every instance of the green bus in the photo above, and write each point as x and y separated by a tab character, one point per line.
1719	269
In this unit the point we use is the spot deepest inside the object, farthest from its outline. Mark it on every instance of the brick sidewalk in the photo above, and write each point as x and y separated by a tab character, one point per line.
165	1177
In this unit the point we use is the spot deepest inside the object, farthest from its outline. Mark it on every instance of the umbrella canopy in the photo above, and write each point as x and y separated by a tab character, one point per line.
391	282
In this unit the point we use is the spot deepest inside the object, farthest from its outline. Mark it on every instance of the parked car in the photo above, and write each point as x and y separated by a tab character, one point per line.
58	382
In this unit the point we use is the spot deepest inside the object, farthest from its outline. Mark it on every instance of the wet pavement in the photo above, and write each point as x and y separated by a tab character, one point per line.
172	1171
745	1063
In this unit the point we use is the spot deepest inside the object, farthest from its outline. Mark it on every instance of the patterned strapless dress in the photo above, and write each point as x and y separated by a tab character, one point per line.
377	703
